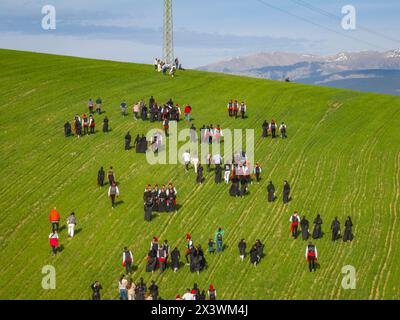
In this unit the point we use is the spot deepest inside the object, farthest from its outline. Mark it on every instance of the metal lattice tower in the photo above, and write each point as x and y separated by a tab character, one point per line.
168	34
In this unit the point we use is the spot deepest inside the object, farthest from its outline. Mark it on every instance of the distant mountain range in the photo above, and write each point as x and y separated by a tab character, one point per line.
369	71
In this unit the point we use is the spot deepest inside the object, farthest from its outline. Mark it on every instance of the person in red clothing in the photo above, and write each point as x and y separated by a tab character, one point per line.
212	293
53	240
235	108
311	256
187	112
230	108
166	126
294	225
54	218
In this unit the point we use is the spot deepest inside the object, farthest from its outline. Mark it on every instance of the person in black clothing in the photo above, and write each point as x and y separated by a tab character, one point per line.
286	192
199	178
348	230
111	176
100	177
234	189
202	296
162	199
148	209
273	129
243	187
67	129
151	264
335	227
175	256
128	139
78	126
317	232
96	287
141	290
151	102
153	290
265	128
254	258
218	174
105	125
271	192
304	228
260	248
242	249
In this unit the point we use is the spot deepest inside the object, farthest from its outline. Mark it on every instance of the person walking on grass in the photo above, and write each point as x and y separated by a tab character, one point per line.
111	176
186	159
90	105
71	223
311	256
294	224
127	259
123	108
212	293
131	287
91	124
53	239
122	283
98	105
96	287
242	249
257	172
105	124
218	239
54	218
113	192
175	256
286	192
128	140
100	177
335	227
187	111
348	230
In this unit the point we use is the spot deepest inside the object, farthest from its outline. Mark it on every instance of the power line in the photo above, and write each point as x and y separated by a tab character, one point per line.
319	25
336	17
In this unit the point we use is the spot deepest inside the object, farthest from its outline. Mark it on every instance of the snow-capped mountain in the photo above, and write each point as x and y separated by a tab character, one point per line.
307	67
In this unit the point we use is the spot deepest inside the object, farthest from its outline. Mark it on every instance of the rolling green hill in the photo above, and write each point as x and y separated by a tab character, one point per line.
342	157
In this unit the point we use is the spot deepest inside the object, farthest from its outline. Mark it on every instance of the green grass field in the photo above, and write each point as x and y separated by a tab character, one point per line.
342	157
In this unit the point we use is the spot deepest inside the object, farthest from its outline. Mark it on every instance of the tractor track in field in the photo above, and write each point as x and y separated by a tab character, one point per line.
393	209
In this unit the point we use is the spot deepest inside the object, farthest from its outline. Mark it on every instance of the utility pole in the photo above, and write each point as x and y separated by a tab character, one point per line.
168	34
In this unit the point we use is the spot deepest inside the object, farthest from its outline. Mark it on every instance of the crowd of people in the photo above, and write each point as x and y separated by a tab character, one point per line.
160	257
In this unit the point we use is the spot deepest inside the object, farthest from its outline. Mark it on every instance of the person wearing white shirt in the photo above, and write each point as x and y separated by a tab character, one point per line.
188	295
195	161
186	160
217	159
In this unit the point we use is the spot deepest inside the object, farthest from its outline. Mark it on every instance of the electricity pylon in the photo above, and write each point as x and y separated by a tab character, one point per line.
168	34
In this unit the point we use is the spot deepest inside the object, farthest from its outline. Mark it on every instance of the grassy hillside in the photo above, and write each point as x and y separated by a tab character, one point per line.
341	157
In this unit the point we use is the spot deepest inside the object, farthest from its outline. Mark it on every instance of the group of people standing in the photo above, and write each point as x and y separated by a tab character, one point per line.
129	290
296	222
159	199
162	66
234	107
271	128
197	294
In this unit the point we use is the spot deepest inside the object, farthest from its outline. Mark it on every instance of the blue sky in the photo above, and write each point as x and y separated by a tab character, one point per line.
205	31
